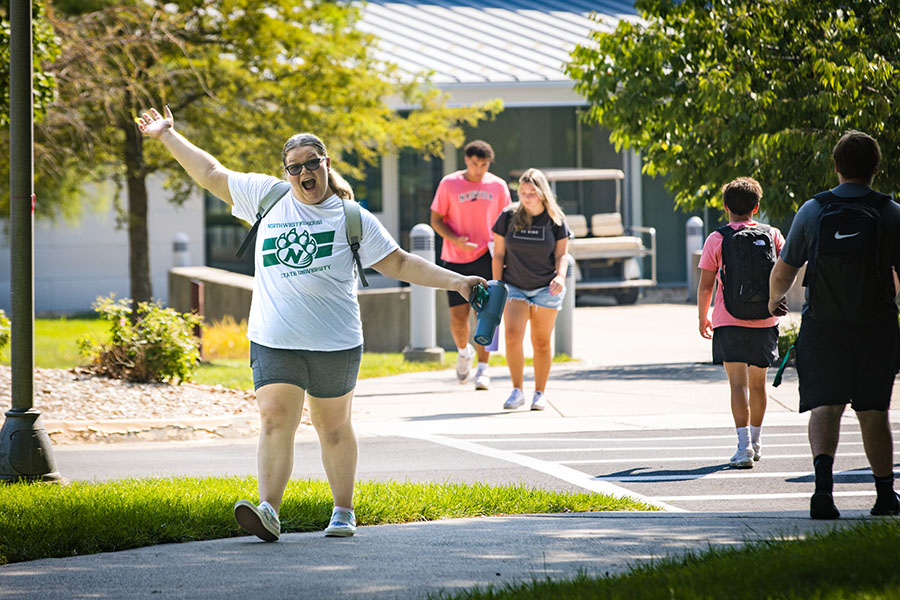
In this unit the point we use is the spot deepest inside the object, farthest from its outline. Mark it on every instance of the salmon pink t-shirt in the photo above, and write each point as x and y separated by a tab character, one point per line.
470	208
711	260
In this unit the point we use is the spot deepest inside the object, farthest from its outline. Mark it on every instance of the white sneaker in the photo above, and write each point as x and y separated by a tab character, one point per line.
464	363
482	381
757	447
515	400
742	459
261	521
343	524
538	402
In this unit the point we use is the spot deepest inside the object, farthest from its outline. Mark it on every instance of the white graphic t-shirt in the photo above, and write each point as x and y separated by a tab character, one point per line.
304	290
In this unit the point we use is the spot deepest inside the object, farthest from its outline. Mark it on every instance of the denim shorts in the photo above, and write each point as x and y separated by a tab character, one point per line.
539	297
322	374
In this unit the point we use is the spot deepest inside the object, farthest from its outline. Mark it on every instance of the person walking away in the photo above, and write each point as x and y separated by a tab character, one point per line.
848	346
531	243
739	257
464	208
304	327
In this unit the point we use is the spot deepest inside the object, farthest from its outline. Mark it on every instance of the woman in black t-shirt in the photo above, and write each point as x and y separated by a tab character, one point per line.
531	240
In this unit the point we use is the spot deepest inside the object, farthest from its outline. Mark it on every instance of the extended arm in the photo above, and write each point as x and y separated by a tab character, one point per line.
704	297
560	255
199	164
499	258
404	266
780	282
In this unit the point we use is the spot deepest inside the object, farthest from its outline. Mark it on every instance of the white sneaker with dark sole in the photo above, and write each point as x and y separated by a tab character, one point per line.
343	524
757	451
261	521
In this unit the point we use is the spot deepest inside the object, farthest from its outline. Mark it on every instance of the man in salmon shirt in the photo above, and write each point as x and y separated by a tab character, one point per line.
465	207
745	347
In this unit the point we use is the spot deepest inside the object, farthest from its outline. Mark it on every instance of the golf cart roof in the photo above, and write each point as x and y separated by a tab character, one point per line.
576	174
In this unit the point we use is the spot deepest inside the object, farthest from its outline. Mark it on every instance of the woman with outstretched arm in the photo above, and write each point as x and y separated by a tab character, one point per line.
305	330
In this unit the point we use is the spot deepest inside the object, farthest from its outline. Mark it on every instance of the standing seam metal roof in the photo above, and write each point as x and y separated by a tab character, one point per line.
489	41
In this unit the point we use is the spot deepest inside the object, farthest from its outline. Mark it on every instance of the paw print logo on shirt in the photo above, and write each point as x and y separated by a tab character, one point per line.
296	249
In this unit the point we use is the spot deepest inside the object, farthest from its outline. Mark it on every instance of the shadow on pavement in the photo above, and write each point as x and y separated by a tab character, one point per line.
689	371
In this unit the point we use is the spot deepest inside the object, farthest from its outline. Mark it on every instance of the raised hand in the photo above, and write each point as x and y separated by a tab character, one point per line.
153	124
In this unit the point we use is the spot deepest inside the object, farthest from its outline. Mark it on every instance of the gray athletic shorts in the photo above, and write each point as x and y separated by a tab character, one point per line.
321	374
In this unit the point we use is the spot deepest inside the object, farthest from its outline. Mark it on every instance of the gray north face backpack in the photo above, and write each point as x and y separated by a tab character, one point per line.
351	216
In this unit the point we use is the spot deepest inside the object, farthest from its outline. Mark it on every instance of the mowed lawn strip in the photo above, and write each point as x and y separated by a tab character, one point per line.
45	520
857	562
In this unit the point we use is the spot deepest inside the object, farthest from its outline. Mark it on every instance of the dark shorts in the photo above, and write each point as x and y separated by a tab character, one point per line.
321	374
840	364
757	346
481	266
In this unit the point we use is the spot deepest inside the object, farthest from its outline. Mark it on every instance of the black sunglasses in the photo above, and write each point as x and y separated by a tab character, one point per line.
311	165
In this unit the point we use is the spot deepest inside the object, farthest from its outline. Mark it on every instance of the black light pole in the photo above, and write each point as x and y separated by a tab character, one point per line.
25	449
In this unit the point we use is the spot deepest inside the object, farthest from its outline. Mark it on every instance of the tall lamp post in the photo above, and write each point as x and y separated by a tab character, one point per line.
25	449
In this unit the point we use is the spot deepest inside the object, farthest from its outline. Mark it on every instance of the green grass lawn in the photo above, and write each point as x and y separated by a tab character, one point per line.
45	520
858	562
55	347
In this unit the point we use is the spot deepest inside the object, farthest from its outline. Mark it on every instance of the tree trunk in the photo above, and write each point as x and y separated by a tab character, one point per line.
138	235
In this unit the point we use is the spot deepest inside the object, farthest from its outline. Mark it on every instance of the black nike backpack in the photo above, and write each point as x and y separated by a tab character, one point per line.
845	277
748	255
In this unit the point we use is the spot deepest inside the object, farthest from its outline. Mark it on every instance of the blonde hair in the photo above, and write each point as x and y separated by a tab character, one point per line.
520	218
337	183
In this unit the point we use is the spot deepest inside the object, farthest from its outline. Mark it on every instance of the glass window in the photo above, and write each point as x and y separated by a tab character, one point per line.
418	180
368	189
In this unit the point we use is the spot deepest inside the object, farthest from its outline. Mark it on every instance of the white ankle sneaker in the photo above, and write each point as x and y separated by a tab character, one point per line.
464	363
757	450
538	402
261	520
515	400
482	381
742	459
343	524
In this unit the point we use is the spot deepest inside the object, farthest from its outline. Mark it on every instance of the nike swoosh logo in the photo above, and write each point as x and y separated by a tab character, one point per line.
840	236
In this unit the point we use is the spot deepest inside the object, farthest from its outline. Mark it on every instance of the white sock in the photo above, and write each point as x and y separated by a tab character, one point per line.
462	351
343	508
266	503
754	433
743	434
481	367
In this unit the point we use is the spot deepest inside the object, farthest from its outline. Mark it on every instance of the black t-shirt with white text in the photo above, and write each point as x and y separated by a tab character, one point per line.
530	262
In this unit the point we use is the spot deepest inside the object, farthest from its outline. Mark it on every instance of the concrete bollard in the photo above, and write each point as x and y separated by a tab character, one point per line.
693	241
422	320
566	317
181	250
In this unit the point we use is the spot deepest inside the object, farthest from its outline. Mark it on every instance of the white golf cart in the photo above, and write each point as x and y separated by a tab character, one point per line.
608	257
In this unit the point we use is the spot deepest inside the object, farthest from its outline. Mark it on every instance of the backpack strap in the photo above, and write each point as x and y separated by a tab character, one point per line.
353	220
265	205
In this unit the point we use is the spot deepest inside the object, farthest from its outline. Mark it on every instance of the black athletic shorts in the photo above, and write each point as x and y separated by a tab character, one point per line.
481	266
322	374
757	346
840	364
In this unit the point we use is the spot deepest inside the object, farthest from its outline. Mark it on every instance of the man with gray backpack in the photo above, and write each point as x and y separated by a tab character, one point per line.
848	347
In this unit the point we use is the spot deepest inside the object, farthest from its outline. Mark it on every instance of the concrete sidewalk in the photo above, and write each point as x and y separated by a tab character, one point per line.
641	367
403	562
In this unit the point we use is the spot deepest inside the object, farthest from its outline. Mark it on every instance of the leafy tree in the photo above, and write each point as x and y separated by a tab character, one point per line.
241	77
45	49
709	90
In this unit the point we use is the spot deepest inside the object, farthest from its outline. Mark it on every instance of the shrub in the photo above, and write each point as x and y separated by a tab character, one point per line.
226	339
4	330
158	345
